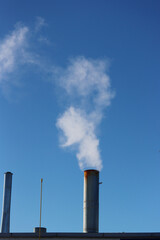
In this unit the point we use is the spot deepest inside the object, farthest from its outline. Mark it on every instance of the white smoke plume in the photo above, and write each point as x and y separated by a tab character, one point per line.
88	86
11	51
17	50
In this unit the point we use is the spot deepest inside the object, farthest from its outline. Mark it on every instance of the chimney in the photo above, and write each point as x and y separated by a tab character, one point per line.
91	201
5	223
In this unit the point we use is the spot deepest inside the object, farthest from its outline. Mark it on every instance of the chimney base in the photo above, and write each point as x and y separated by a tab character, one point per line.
42	230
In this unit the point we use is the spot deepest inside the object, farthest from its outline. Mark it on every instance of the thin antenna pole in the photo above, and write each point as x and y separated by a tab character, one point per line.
40	210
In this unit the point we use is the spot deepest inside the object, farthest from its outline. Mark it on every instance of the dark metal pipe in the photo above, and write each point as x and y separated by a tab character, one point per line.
5	223
91	201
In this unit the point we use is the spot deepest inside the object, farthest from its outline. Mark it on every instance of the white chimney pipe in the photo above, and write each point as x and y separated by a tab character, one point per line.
91	201
5	223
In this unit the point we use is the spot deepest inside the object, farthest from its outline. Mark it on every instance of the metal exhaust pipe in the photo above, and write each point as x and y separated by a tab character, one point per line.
5	223
91	201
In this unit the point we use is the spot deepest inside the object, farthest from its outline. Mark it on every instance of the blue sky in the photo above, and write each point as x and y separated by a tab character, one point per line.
94	65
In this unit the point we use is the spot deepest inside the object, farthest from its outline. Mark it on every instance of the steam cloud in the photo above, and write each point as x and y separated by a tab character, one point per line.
11	50
88	86
16	49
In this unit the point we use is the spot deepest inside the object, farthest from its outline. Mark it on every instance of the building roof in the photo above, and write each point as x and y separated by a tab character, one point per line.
109	236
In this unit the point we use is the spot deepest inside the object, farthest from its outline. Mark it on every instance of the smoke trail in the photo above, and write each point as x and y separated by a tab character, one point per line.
17	49
87	84
11	48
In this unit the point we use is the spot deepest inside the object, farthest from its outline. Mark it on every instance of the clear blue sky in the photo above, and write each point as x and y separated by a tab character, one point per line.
37	39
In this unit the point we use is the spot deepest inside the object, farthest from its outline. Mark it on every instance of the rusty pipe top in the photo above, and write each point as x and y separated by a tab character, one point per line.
90	171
